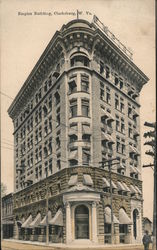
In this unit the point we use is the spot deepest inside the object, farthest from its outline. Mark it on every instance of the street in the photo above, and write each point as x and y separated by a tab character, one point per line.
10	245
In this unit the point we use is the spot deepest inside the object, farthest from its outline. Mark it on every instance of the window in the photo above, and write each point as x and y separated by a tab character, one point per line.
86	137
123	149
84	82
72	86
107	72
101	67
129	112
50	166
45	108
116	103
118	146
117	125
116	81
45	128
122	127
122	107
130	132
73	108
59	164
57	97
121	83
102	92
73	138
85	108
108	97
86	156
58	117
50	103
79	60
58	143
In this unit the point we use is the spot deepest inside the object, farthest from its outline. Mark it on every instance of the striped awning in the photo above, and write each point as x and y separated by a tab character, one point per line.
110	117
57	219
36	221
133	189
108	216
27	222
87	180
124	218
104	136
120	186
105	182
126	187
138	190
104	113
45	220
73	180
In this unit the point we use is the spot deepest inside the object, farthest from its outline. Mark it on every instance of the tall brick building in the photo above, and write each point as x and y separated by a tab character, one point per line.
78	108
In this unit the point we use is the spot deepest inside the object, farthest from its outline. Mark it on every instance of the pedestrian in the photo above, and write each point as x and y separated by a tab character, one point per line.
146	240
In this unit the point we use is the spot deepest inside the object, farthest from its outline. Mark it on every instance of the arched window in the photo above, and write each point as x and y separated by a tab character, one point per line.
79	59
135	217
81	222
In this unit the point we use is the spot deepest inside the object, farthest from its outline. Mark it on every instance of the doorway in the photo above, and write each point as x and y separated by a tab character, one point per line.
81	222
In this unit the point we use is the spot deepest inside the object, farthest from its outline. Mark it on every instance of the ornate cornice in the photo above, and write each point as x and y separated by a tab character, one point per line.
77	33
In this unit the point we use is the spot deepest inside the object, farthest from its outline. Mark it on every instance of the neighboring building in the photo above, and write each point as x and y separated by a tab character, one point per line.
7	216
77	108
147	225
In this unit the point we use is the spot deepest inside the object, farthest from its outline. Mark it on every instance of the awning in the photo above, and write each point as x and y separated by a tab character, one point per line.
108	216
124	218
20	222
133	189
121	166
106	182
86	129
87	180
27	222
104	113
57	219
120	186
73	180
110	139
126	187
133	169
111	117
138	190
36	221
104	136
113	185
73	154
133	150
44	222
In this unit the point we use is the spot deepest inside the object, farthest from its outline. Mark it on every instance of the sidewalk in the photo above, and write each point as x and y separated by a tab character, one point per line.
74	245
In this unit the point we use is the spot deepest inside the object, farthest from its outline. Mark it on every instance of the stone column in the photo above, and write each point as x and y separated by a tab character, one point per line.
16	231
116	235
128	236
94	223
68	223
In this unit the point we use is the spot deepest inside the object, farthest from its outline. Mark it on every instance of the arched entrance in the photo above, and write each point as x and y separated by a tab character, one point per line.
81	222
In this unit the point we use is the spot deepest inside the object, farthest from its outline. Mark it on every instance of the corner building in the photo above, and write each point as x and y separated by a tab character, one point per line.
78	108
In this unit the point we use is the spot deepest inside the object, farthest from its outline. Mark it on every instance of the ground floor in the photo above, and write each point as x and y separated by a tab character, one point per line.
7	230
82	215
16	245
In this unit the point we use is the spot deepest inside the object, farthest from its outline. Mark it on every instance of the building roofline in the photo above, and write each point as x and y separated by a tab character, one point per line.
57	35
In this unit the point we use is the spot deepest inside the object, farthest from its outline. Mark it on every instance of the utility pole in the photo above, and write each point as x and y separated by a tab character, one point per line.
152	143
110	164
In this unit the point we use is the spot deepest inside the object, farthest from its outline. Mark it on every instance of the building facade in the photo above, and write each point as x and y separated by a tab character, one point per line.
147	225
78	108
7	216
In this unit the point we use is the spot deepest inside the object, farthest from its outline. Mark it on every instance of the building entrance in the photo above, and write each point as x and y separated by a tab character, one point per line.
81	222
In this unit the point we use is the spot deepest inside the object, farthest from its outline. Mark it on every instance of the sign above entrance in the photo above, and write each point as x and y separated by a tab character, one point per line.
112	37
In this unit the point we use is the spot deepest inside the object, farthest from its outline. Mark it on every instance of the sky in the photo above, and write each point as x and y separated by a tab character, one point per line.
24	38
